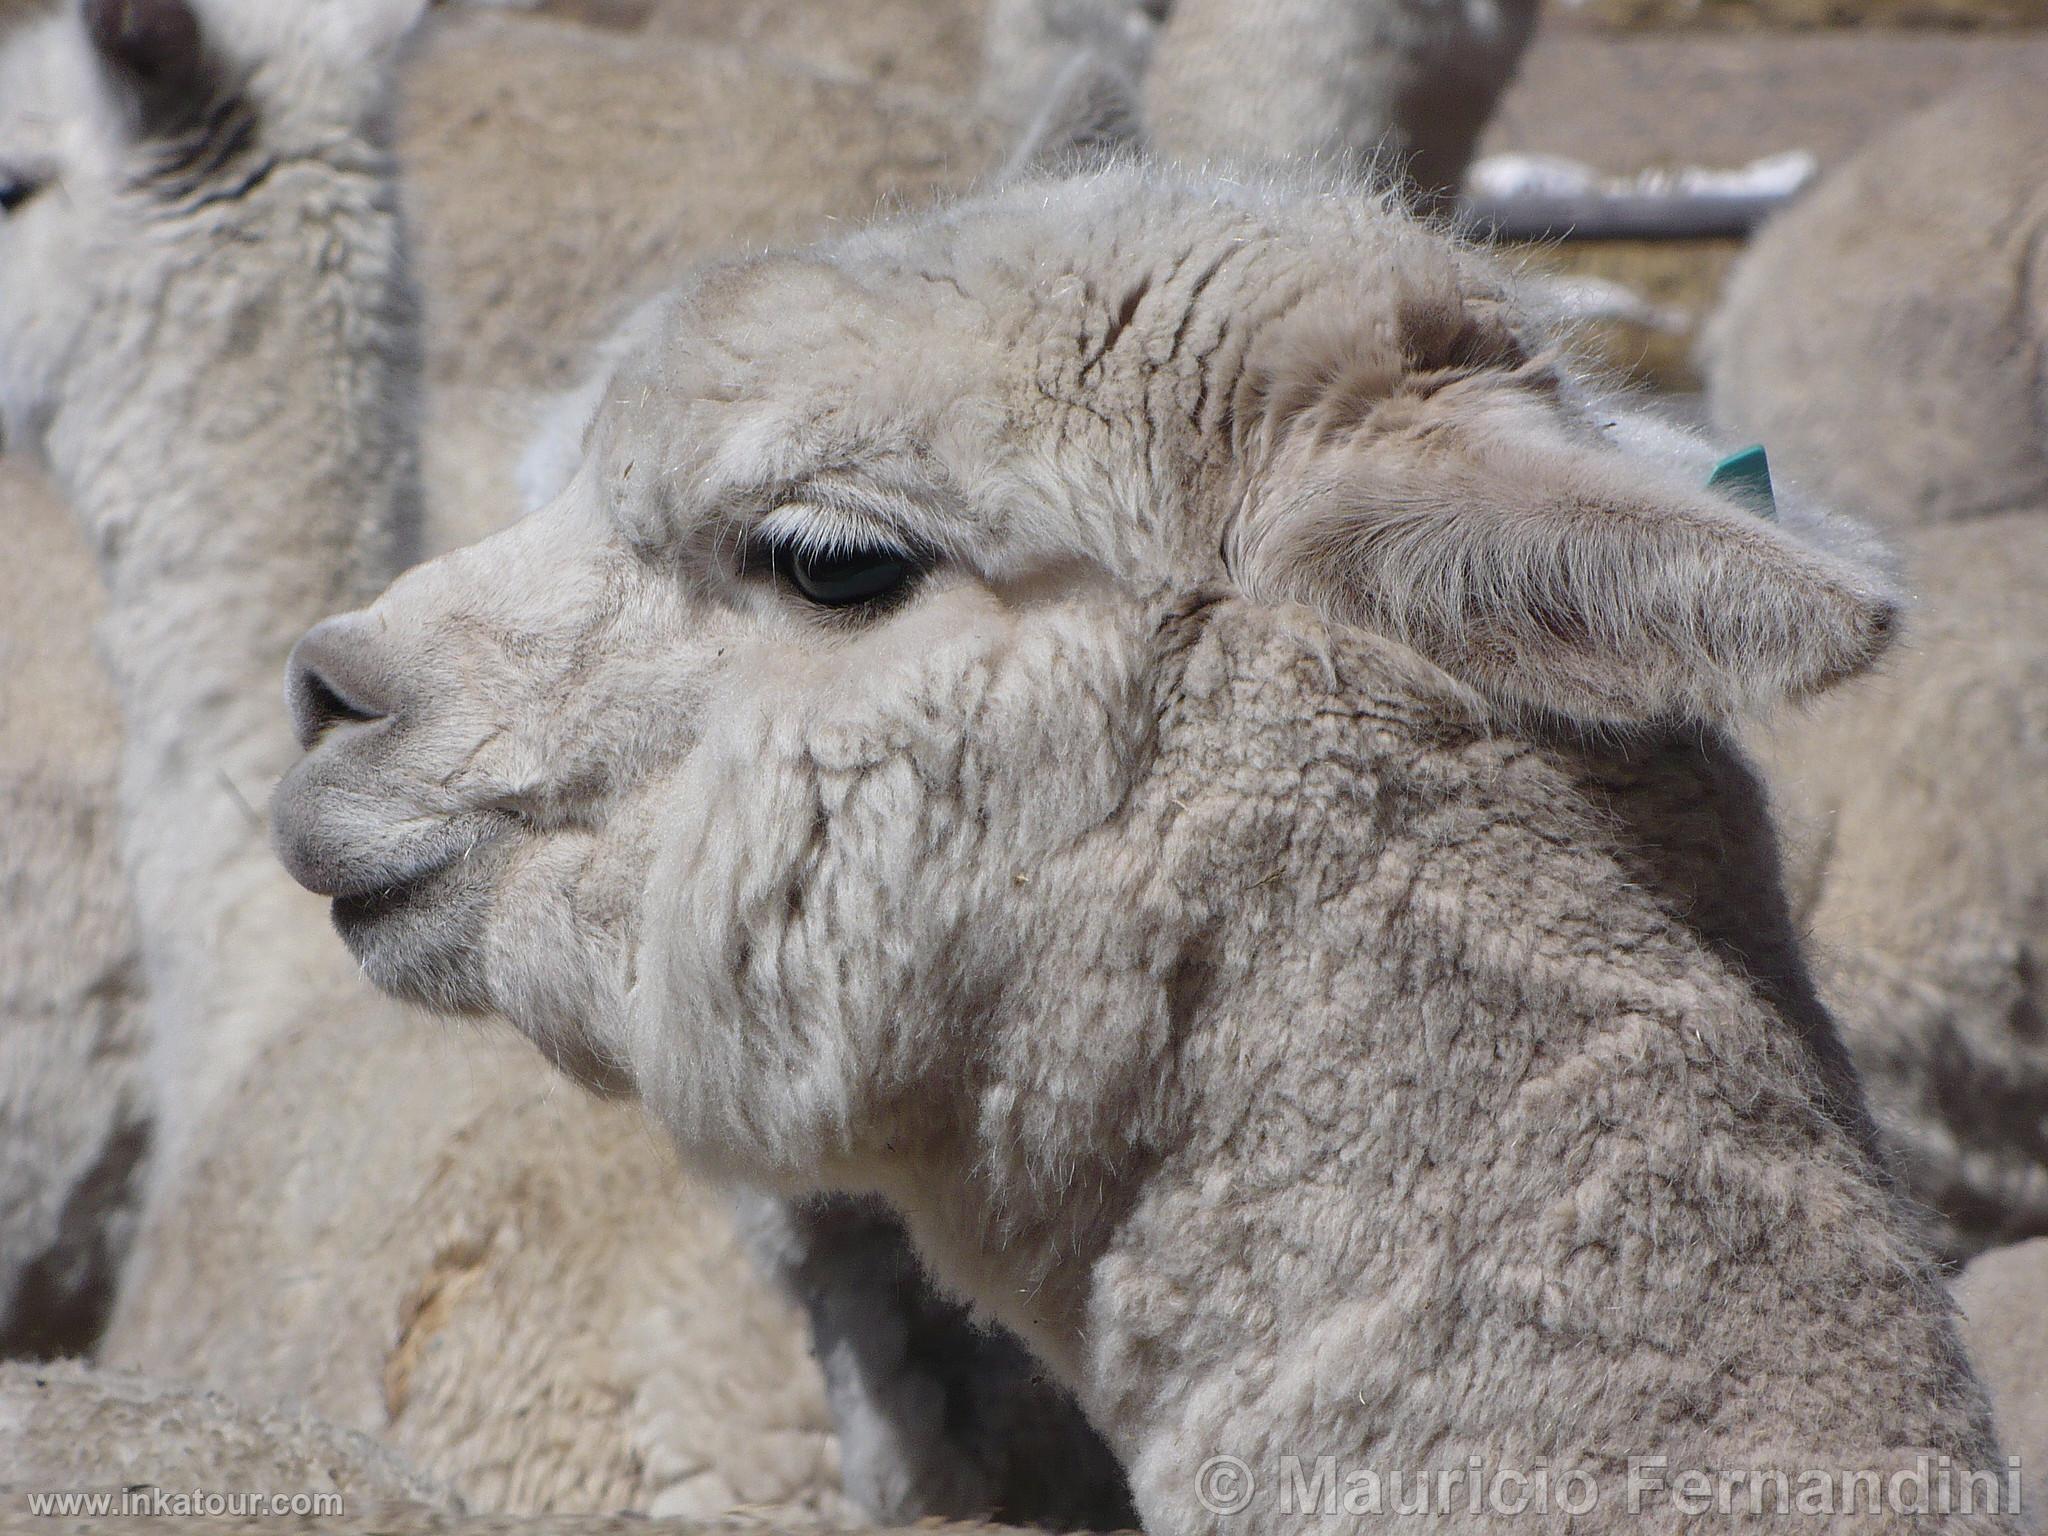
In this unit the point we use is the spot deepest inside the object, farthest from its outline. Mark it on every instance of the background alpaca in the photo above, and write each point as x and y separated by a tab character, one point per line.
73	1114
112	140
2000	1295
1027	44
67	1427
1325	994
1403	84
1888	338
1887	335
1920	851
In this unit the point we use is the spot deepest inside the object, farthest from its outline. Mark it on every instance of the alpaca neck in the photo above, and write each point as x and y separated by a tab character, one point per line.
1485	1125
1495	1205
244	468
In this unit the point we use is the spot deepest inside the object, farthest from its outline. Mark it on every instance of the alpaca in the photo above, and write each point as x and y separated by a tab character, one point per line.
1408	84
1888	337
1148	723
1921	871
74	1111
1910	286
119	131
512	1289
1999	1295
1027	44
74	1123
1404	85
68	1428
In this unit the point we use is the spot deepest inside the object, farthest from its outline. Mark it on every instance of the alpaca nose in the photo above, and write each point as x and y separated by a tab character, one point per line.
334	678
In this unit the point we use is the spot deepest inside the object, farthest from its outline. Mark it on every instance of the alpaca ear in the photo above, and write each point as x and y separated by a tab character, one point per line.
155	55
1550	570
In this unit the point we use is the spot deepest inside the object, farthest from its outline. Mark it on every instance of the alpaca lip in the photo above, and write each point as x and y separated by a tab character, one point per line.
366	864
306	844
372	892
373	895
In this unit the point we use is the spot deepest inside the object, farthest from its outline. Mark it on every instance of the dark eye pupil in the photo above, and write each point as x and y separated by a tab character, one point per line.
13	194
841	578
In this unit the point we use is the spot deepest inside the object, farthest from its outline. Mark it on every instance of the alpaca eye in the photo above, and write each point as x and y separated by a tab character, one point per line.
846	576
16	189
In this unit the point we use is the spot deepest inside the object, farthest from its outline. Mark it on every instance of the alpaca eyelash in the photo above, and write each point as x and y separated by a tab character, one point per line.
825	529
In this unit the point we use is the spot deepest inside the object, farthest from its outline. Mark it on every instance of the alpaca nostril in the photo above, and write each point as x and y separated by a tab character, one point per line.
324	703
329	682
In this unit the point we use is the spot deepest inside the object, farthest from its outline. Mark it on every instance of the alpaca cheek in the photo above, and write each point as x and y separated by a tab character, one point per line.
716	841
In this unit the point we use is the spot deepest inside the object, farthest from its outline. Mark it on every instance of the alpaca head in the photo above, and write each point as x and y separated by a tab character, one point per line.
131	129
725	775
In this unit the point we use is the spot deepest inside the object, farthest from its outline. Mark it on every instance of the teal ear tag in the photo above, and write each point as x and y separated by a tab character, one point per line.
1746	477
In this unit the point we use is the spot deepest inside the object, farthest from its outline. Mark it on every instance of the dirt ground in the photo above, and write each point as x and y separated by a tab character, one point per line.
1626	102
